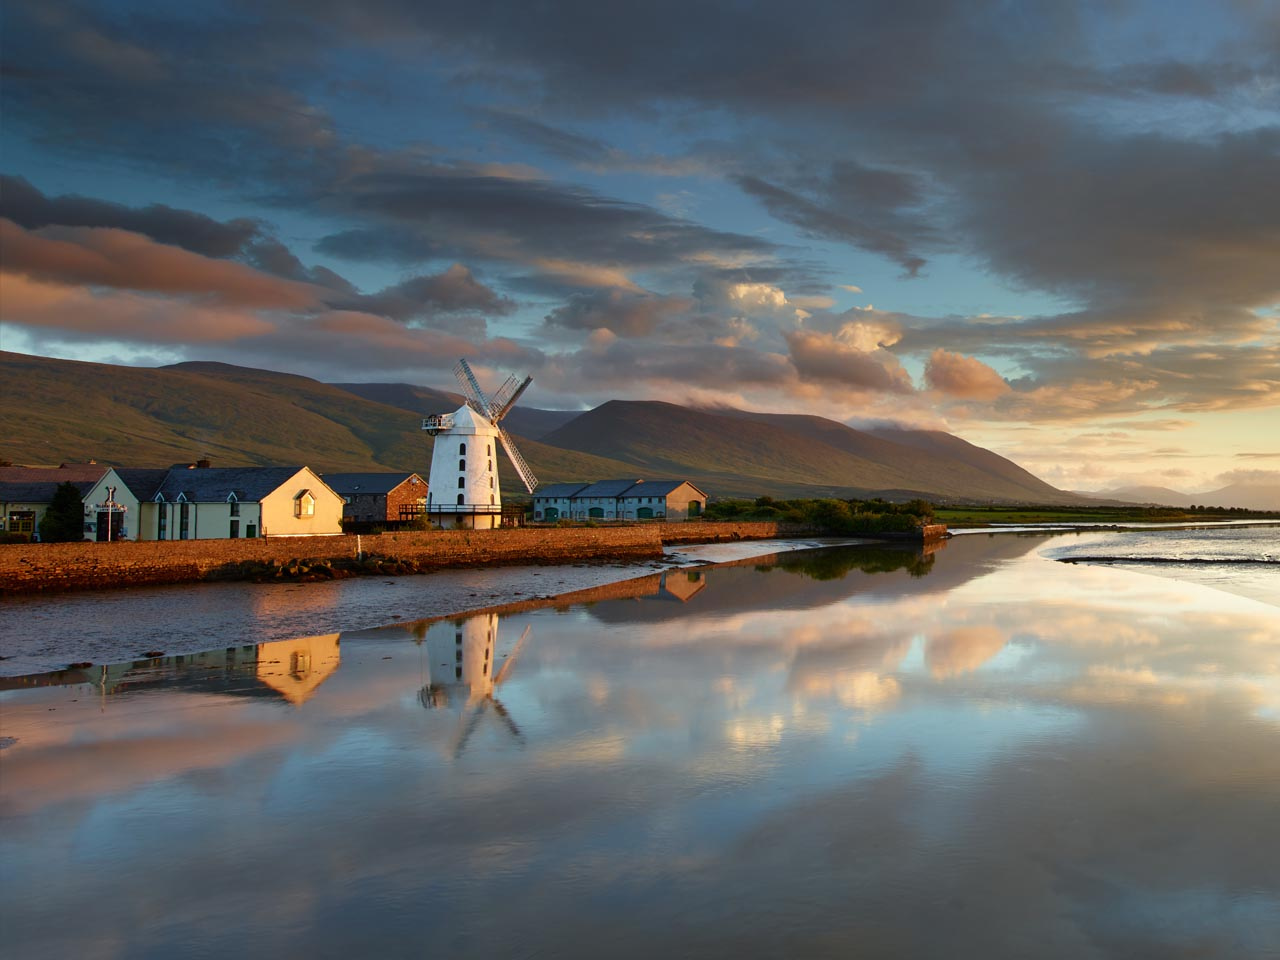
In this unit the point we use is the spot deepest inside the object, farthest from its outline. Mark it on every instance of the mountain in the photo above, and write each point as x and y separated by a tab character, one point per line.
150	417
529	422
744	453
235	415
1248	496
1161	496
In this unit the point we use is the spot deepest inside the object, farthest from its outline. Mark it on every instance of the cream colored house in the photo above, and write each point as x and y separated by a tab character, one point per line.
214	503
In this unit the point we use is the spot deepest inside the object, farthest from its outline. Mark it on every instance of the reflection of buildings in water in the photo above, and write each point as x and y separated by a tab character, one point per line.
681	585
286	669
463	670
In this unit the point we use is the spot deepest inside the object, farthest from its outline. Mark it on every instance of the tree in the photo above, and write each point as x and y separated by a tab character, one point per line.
63	522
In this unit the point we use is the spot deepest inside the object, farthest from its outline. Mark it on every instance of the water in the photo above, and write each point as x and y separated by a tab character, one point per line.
859	752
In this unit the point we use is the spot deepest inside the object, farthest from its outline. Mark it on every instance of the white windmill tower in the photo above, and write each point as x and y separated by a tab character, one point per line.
462	490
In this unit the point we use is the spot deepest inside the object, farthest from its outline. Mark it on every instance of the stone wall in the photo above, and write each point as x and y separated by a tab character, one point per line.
27	568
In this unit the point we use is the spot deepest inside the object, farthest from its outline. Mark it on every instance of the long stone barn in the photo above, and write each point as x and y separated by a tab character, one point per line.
619	500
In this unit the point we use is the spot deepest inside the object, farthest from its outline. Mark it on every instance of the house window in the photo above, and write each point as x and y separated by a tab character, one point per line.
235	508
462	449
162	522
184	521
304	504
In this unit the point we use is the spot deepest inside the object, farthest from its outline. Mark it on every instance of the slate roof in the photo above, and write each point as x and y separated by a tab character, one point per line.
558	491
659	488
614	489
607	488
143	482
350	483
215	484
92	472
39	491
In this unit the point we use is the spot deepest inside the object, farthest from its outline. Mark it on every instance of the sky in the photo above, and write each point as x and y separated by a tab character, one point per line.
1052	229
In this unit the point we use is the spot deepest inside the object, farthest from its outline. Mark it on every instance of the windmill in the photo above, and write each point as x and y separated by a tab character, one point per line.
462	490
462	664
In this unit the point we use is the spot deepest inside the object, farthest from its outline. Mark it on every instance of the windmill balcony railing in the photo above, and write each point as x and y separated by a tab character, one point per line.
437	422
468	508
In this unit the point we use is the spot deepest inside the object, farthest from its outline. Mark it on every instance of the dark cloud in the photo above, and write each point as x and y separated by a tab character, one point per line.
621	312
820	217
455	290
28	207
464	211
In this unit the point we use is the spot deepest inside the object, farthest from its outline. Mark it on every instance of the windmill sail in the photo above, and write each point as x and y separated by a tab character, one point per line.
507	396
522	469
471	390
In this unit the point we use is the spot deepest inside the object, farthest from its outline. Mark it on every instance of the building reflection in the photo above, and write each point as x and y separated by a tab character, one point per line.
289	670
464	671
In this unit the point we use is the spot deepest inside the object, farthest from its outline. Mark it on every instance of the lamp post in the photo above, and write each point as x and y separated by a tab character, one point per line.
112	508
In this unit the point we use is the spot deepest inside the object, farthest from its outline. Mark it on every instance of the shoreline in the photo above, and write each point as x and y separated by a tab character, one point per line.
42	633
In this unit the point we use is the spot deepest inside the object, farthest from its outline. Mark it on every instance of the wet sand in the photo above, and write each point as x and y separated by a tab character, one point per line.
42	633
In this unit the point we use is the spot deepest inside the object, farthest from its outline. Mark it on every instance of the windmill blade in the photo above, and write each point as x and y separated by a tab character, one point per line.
507	396
471	389
511	657
522	469
506	718
468	725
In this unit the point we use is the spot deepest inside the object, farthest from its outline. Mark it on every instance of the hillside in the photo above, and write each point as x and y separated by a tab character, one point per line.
794	455
234	415
148	417
1243	495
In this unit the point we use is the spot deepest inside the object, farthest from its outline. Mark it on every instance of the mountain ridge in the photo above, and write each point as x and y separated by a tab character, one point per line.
145	416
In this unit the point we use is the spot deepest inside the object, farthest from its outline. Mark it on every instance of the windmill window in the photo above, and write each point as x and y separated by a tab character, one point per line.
491	483
462	465
457	673
491	466
462	449
462	482
488	450
491	499
460	500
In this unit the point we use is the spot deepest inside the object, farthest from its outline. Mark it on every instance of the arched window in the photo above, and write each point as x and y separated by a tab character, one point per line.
462	482
488	450
491	483
491	466
462	465
461	500
491	499
462	449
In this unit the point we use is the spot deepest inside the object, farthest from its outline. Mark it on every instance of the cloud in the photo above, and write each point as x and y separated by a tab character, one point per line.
28	207
621	312
962	376
455	290
835	359
108	257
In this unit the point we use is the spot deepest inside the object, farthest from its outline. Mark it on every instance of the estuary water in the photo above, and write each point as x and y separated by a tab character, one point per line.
975	751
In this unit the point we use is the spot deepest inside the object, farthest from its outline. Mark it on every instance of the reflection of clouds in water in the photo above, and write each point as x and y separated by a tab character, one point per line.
962	650
858	689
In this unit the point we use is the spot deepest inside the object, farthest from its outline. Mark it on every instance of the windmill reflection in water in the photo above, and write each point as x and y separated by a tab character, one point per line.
462	670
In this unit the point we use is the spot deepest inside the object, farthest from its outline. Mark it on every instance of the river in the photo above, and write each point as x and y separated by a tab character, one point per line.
859	751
